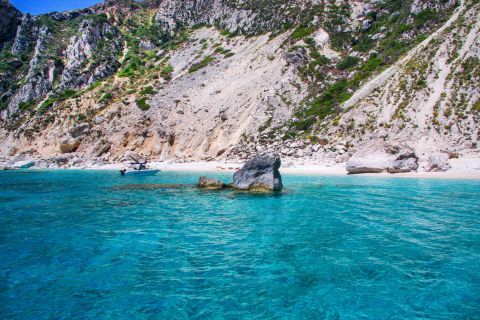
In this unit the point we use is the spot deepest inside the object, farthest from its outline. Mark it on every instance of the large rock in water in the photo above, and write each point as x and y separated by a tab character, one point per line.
259	174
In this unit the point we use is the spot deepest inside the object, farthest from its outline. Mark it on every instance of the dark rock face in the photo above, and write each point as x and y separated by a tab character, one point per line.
26	35
210	184
297	56
404	163
10	19
259	174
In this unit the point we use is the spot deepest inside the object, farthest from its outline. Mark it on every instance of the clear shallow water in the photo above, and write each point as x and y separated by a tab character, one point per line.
90	245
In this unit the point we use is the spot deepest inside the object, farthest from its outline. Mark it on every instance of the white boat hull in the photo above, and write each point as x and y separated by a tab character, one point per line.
142	172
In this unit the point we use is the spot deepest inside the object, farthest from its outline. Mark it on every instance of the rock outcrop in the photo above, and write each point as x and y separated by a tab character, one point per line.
69	145
133	157
101	147
79	130
247	17
26	34
210	184
41	74
91	56
261	173
10	19
376	162
392	160
404	163
438	162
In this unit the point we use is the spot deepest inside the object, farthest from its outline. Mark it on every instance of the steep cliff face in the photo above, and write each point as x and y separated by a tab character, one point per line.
174	15
429	100
215	79
251	17
10	18
91	55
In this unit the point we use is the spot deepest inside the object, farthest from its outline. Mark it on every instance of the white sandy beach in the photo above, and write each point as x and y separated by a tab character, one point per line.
460	169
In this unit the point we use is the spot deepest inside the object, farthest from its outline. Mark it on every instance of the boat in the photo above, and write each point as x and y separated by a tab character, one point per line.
145	172
139	168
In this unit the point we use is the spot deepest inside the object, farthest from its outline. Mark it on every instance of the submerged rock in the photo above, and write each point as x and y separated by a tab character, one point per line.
210	184
150	187
259	174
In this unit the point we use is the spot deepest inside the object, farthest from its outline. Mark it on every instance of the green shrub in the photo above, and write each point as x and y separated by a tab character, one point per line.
476	106
142	104
303	124
348	62
94	85
67	94
228	55
321	60
227	33
322	107
310	42
202	64
199	26
364	45
301	32
106	97
425	16
372	64
166	73
127	72
147	91
404	27
47	104
26	105
133	63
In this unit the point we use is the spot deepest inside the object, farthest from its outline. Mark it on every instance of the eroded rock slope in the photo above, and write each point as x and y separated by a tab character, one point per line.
215	79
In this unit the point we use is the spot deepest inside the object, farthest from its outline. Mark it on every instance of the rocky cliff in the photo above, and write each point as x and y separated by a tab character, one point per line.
9	20
222	79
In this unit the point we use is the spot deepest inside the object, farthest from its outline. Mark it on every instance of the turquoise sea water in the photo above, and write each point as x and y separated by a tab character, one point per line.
94	245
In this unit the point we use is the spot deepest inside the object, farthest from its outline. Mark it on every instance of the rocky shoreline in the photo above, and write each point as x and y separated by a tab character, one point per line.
460	168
